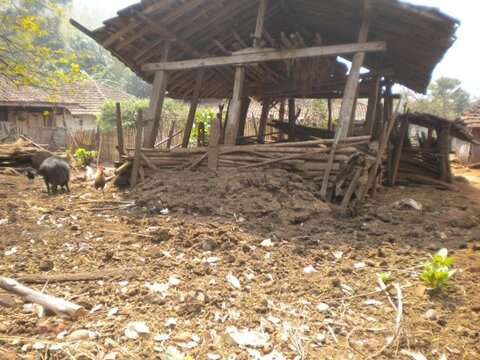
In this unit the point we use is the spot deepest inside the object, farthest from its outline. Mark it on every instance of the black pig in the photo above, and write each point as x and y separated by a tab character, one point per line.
55	172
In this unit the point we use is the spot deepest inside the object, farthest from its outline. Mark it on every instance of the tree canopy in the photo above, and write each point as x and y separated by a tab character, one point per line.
445	98
31	52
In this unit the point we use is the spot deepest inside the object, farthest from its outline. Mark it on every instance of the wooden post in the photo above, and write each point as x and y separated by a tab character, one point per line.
444	149
349	94
291	119
170	135
397	151
157	98
138	145
330	115
352	81
377	127
281	111
243	117
234	110
225	122
213	148
372	106
266	102
193	107
351	127
120	146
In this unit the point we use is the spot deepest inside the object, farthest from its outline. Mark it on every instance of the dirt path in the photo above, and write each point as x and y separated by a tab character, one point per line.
308	296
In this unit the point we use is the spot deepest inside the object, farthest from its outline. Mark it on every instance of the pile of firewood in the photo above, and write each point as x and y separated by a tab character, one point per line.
22	152
309	159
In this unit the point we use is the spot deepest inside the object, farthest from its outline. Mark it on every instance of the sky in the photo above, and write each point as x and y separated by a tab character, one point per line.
460	61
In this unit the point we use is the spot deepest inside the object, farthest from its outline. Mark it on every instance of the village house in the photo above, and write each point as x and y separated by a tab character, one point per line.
469	153
48	116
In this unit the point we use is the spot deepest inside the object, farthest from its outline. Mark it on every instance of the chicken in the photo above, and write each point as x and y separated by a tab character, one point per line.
31	174
90	174
100	179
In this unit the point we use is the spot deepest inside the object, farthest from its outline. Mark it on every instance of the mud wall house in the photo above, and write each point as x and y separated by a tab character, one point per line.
469	153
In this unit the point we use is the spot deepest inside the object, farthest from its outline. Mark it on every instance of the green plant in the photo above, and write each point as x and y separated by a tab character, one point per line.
437	272
384	277
84	157
205	115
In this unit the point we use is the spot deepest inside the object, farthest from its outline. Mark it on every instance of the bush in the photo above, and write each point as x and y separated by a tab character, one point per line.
84	157
173	110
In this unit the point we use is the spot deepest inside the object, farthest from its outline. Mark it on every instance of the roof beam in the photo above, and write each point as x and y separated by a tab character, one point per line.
267	55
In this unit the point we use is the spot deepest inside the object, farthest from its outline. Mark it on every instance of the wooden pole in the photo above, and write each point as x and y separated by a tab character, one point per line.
225	122
243	117
136	155
349	94
157	98
291	119
372	106
234	110
121	146
330	115
352	81
193	107
351	127
397	151
213	148
201	134
262	9
266	102
170	135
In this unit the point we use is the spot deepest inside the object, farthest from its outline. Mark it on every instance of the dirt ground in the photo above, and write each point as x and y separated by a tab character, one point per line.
239	267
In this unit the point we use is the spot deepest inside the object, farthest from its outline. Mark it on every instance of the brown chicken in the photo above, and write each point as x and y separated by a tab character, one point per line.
100	179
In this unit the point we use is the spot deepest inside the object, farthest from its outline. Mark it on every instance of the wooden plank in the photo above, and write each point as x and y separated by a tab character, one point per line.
138	144
266	102
397	154
213	148
234	109
120	144
193	107
157	98
262	9
267	55
372	106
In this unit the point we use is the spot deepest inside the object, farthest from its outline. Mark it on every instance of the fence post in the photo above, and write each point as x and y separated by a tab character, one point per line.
120	146
138	144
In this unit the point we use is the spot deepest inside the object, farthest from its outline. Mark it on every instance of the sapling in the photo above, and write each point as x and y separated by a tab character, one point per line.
384	277
438	271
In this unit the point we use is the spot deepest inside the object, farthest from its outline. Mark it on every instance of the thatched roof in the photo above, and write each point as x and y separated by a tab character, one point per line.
471	117
417	39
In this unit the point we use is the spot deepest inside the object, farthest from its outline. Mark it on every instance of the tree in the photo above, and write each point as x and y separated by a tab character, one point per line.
445	97
30	49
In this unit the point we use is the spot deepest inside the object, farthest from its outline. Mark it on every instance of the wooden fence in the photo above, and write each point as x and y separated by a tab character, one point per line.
106	142
54	137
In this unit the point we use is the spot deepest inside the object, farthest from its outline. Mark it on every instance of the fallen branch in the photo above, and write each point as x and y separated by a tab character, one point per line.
87	276
61	307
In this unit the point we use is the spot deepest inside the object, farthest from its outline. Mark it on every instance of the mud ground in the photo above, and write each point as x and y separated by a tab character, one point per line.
309	292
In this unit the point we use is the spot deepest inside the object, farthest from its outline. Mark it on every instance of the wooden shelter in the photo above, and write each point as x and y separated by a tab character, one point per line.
276	51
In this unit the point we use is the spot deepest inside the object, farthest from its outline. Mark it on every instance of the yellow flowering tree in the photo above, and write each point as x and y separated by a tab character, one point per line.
27	54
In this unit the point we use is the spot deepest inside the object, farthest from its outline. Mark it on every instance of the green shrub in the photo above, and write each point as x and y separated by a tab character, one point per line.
84	157
437	272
